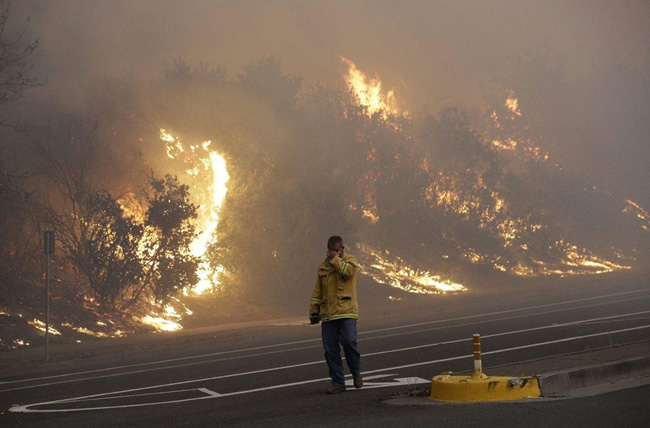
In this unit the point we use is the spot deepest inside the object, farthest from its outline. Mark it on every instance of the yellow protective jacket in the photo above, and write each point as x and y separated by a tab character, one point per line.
335	293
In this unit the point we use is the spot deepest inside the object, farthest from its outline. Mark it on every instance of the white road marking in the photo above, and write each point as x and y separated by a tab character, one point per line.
532	345
400	381
212	354
27	408
507	311
526	330
176	391
210	392
506	318
390	351
269	346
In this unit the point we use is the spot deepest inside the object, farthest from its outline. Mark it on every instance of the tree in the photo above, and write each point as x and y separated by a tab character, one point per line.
108	251
128	245
18	240
167	264
265	78
16	69
19	243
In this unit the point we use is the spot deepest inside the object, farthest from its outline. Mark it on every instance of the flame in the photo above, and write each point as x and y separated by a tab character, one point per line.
512	103
576	261
161	324
573	260
525	147
202	160
167	320
87	331
397	273
208	279
368	91
40	325
370	212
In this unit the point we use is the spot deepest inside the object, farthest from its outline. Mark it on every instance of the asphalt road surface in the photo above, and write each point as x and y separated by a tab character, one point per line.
280	377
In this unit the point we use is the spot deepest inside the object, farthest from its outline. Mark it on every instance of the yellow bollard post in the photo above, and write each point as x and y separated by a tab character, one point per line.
478	365
481	387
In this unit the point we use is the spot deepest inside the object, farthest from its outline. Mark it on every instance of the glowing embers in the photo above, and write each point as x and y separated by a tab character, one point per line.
368	91
522	255
576	261
393	271
640	213
563	259
89	332
508	117
210	177
40	325
18	343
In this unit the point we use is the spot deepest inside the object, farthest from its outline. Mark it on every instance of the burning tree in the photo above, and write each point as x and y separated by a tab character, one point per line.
166	261
127	247
104	246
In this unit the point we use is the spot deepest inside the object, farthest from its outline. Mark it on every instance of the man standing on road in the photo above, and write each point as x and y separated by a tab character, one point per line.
334	302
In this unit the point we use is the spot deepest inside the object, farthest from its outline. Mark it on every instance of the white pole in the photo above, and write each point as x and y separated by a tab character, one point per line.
478	367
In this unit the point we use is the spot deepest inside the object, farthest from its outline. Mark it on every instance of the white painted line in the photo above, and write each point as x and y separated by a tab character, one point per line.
390	351
424	330
155	369
318	339
117	397
27	408
506	311
532	345
85	399
210	392
526	330
295	342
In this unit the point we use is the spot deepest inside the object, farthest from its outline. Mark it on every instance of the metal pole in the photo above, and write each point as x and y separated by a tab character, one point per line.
478	366
47	299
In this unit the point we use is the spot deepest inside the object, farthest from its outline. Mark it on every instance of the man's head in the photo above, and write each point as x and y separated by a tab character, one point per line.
335	243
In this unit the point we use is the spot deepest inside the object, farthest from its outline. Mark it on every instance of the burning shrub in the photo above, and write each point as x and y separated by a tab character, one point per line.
168	265
106	248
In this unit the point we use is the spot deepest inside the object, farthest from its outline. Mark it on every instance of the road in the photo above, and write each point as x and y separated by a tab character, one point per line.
280	378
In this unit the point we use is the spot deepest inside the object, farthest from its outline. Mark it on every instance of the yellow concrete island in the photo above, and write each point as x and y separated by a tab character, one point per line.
480	387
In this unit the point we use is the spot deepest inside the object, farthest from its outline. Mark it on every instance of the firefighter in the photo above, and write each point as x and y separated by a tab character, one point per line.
334	302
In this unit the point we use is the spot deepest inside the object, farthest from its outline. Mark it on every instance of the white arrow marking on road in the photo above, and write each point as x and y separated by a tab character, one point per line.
400	381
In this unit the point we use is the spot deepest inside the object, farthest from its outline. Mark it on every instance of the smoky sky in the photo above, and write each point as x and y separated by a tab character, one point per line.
433	52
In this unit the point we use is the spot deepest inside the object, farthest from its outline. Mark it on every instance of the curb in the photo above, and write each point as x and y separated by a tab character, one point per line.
577	382
560	383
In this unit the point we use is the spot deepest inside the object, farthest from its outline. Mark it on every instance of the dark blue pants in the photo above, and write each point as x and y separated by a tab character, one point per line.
343	331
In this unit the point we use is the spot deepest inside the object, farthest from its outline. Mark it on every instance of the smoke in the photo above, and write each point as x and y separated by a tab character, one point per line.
513	135
434	54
